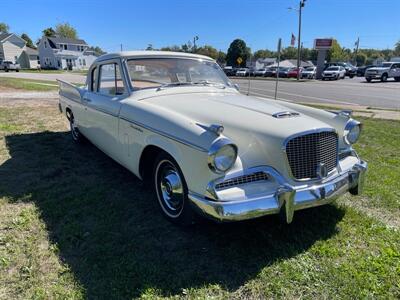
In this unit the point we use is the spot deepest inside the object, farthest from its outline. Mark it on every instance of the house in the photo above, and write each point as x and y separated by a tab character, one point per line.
260	63
57	52
292	63
13	48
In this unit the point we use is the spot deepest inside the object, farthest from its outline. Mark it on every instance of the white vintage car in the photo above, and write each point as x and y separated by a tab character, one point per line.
176	120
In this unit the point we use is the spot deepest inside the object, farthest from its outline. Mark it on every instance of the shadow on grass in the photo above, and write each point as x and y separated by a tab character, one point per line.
109	231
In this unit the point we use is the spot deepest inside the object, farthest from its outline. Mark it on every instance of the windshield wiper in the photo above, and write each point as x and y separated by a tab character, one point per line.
211	83
172	84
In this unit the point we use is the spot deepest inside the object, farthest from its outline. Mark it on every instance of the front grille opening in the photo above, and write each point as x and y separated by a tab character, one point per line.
306	152
254	177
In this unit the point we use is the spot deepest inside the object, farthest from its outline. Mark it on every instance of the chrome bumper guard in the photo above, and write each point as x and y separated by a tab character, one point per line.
285	198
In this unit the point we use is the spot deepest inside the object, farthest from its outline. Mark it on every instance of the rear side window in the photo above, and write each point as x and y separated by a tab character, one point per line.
111	82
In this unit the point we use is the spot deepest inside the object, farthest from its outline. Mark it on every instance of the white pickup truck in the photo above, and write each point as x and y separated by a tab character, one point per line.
383	72
7	65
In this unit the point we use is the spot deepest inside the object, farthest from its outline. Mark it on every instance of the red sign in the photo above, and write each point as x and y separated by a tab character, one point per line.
320	44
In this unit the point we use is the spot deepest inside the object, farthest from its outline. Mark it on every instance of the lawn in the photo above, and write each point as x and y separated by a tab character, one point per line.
74	224
28	84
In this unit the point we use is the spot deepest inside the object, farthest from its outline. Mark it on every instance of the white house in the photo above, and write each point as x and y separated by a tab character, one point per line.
13	48
64	53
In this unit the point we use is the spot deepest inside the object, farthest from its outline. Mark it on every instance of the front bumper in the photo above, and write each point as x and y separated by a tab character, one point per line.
373	76
285	198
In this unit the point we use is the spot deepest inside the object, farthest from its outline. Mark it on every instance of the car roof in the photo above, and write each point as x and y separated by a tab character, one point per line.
145	54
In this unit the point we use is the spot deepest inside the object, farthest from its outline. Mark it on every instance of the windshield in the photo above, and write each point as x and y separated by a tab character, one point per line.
332	69
309	69
158	72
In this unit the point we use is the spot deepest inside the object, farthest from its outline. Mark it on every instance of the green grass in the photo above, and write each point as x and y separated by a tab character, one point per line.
84	72
28	84
74	224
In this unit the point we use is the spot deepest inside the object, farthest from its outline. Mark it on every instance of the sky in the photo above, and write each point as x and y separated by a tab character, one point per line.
260	23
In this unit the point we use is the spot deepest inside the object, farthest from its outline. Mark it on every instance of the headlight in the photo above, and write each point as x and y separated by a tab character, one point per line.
222	155
352	131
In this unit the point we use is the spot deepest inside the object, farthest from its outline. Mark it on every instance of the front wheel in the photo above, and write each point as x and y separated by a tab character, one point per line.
384	77
171	191
351	76
368	79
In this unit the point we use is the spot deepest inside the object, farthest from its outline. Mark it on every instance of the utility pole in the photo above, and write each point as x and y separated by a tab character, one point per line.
355	53
121	47
196	38
301	5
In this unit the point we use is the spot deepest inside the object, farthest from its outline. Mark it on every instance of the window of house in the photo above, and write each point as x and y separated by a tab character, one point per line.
111	82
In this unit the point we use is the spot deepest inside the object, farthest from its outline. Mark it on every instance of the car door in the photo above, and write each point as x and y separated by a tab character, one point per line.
395	70
103	103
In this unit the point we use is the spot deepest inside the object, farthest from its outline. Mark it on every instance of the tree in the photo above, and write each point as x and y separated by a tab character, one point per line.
208	50
49	32
397	48
237	49
361	59
4	27
174	48
97	50
263	54
149	47
28	40
289	53
337	53
221	59
67	31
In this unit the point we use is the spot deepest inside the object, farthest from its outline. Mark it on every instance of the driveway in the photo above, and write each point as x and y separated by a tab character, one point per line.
74	78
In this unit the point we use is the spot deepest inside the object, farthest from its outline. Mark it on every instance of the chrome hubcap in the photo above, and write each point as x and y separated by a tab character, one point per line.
74	129
171	188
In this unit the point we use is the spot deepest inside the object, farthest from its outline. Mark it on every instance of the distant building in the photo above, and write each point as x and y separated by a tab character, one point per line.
64	53
292	63
396	59
260	63
13	48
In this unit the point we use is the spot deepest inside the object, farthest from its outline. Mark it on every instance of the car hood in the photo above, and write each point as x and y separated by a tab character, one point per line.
377	69
248	121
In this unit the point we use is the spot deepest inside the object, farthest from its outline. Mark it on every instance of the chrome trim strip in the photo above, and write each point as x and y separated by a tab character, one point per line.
167	135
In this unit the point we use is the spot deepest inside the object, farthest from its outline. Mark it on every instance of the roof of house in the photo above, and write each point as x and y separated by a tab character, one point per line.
291	63
4	35
267	60
63	40
31	51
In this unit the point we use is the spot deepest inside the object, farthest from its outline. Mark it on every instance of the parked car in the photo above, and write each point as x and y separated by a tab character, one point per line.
361	70
283	72
260	72
271	72
229	71
173	130
7	65
293	72
334	72
350	69
309	72
242	72
383	72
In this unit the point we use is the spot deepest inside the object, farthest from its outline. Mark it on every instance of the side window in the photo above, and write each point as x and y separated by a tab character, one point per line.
93	83
111	82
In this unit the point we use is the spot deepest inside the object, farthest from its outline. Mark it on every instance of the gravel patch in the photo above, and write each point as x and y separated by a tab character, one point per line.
10	97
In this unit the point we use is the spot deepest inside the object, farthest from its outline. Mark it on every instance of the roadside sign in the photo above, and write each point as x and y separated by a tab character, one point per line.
323	44
239	60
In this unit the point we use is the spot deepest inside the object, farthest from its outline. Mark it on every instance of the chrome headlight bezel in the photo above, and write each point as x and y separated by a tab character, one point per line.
215	149
351	126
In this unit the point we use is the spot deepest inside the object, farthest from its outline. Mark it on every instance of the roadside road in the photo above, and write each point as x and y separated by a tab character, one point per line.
74	78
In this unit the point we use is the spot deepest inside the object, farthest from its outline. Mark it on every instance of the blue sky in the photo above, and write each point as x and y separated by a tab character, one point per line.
260	23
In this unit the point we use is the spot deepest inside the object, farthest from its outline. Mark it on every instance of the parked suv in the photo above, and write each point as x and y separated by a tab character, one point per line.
7	65
383	72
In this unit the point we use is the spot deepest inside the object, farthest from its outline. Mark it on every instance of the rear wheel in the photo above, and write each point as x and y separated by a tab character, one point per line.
76	135
384	77
171	191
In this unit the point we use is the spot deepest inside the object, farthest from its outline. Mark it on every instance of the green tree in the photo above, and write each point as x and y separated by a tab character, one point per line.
66	30
361	59
174	48
149	47
289	53
237	49
4	27
221	59
397	48
208	50
49	32
97	50
263	53
28	40
337	53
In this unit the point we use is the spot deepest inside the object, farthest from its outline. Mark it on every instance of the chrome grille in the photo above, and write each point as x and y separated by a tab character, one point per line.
257	176
306	152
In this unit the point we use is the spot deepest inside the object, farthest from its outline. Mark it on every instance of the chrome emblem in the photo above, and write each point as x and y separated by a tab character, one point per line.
322	170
